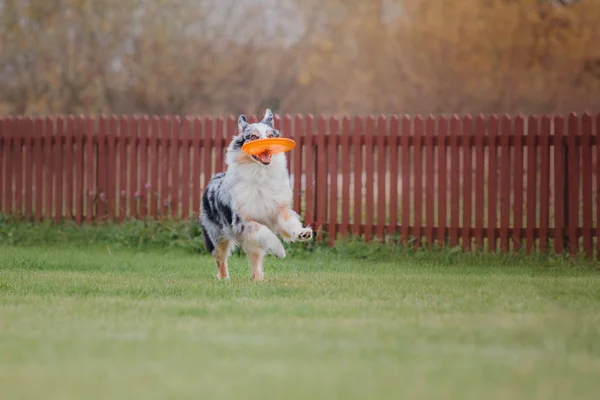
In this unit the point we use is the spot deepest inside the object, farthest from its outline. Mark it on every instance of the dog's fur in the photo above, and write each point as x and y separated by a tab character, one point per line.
250	203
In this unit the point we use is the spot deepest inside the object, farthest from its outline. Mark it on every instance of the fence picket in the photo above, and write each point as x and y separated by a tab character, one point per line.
175	158
38	161
321	204
532	167
27	133
310	160
144	138
111	173
559	184
406	175
479	181
418	180
442	181
519	129
544	234
48	167
429	179
467	128
345	159
186	136
333	178
358	172
505	186
454	181
586	183
369	203
572	224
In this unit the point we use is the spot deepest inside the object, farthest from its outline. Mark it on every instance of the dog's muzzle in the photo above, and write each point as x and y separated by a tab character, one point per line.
263	158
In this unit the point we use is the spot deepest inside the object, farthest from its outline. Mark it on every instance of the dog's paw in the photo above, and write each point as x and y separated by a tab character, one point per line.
305	234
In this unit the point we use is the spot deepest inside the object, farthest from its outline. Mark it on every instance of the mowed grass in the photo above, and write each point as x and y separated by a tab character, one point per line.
91	322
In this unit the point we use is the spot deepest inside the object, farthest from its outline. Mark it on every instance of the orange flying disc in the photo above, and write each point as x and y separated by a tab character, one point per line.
270	145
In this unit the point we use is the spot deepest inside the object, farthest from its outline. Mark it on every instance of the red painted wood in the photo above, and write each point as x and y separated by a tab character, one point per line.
358	173
573	180
111	184
369	203
586	183
346	178
429	179
559	184
102	173
165	135
596	135
321	173
83	171
406	135
70	175
480	164
153	190
310	157
505	186
3	145
297	133
519	129
28	150
38	161
532	167
392	229
59	169
143	167
546	128
418	180
492	183
186	134
122	185
17	129
381	177
442	182
175	158
287	131
8	151
219	135
133	193
48	167
467	128
207	151
90	178
333	175
454	181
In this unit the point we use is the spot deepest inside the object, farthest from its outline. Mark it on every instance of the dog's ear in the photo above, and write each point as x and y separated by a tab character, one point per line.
268	118
242	123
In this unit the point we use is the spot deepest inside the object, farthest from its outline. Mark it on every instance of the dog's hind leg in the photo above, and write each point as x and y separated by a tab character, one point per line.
221	253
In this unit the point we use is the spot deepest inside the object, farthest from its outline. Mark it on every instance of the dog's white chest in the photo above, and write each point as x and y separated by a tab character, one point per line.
258	196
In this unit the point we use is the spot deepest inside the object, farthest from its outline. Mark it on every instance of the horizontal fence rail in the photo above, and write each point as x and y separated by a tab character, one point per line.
485	182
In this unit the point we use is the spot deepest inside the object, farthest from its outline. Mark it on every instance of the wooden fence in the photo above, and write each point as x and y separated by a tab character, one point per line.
488	182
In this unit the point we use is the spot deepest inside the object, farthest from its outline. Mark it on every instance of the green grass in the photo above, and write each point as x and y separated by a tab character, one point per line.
86	318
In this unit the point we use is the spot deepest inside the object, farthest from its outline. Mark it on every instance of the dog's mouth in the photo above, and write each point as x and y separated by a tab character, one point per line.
263	158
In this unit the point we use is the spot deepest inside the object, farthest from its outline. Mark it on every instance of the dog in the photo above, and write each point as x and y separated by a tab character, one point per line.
250	203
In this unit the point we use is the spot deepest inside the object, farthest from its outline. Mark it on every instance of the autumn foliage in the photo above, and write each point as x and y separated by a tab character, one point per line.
318	56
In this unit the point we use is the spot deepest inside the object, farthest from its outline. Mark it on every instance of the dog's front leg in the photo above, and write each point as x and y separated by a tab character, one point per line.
290	227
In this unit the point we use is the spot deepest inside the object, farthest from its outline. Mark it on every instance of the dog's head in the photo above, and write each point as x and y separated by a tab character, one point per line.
248	132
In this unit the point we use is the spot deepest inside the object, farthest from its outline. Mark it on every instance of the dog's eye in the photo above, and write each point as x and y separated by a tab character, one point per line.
254	137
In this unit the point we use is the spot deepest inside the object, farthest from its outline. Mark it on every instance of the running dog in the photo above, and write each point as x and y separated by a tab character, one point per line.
250	203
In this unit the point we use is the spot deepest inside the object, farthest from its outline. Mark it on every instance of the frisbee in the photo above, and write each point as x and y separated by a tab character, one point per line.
268	145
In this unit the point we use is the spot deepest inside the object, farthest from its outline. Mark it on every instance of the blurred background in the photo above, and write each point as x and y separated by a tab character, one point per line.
299	56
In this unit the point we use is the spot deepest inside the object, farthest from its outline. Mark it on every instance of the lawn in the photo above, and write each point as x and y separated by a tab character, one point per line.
90	322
